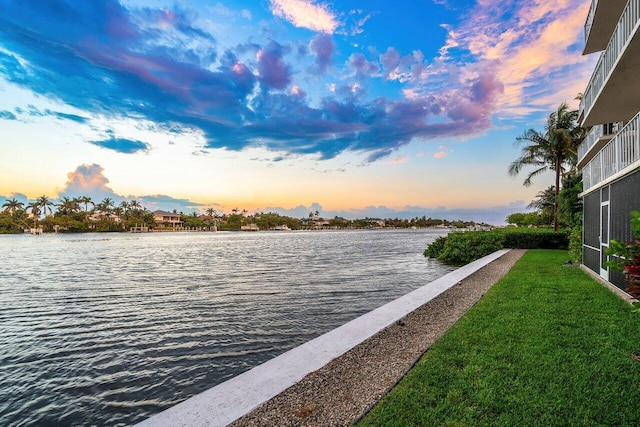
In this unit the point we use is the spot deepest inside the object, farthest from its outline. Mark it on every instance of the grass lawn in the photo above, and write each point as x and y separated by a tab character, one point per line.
547	345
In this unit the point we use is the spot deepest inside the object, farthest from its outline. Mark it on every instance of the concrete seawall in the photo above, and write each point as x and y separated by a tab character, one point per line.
236	397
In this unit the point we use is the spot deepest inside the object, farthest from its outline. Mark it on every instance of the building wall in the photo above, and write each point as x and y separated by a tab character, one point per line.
626	194
624	197
591	231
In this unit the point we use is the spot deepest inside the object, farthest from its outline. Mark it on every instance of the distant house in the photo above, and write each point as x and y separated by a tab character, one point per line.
376	222
100	216
250	227
319	223
609	156
167	219
283	227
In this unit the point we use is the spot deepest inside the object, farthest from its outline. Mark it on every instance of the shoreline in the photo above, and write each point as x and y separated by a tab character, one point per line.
337	377
169	231
344	390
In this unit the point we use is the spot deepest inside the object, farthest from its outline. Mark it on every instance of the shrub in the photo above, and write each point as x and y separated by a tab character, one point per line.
575	244
535	239
625	257
465	247
435	248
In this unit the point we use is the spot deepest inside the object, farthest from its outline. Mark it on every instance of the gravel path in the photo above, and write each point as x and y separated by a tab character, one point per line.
339	393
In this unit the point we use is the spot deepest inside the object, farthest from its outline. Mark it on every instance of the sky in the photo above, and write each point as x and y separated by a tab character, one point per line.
359	108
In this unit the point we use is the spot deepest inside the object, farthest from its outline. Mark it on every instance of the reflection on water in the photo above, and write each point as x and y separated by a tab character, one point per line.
108	329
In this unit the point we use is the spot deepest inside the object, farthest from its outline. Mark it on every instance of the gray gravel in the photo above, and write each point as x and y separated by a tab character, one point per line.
342	391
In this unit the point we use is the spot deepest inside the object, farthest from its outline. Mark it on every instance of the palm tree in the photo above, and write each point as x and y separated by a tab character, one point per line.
68	206
544	203
553	149
13	205
134	204
118	211
35	212
211	212
85	200
44	203
105	206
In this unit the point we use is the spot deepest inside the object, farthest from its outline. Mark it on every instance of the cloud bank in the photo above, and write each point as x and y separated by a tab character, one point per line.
495	215
89	180
114	62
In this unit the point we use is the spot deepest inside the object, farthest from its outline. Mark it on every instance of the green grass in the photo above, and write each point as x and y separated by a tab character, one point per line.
547	345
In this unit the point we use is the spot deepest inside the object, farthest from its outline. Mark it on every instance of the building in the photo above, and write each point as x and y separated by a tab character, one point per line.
609	157
250	227
104	216
376	222
167	219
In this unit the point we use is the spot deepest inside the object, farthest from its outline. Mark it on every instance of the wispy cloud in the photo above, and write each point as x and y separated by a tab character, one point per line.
306	14
7	115
399	160
535	46
122	145
440	154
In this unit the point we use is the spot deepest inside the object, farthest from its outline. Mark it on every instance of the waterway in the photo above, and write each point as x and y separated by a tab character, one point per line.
109	329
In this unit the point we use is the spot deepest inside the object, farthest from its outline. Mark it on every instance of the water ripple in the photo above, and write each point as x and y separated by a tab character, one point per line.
99	330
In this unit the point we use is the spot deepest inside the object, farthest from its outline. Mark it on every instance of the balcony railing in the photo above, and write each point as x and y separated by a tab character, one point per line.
621	35
597	132
622	151
590	16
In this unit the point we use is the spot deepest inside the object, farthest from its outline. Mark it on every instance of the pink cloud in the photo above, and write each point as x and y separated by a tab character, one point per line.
440	154
535	51
322	46
88	180
273	71
399	160
480	99
305	14
298	93
403	69
362	68
390	60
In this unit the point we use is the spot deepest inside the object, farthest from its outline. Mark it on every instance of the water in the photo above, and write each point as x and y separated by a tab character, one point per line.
108	329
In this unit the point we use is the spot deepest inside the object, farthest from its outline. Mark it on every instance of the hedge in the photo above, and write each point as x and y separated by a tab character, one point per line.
460	248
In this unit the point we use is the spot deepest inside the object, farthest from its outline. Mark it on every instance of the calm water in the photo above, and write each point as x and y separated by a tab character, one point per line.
108	329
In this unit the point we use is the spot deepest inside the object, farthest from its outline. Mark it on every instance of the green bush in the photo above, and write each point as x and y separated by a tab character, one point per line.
575	245
435	248
463	247
534	239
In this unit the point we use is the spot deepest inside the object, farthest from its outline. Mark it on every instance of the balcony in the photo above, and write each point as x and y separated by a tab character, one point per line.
595	140
601	21
612	92
618	156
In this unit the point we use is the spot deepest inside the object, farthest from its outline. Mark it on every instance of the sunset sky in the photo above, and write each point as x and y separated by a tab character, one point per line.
354	108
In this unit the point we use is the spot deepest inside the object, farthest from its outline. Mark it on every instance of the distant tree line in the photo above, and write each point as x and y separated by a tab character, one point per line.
82	214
